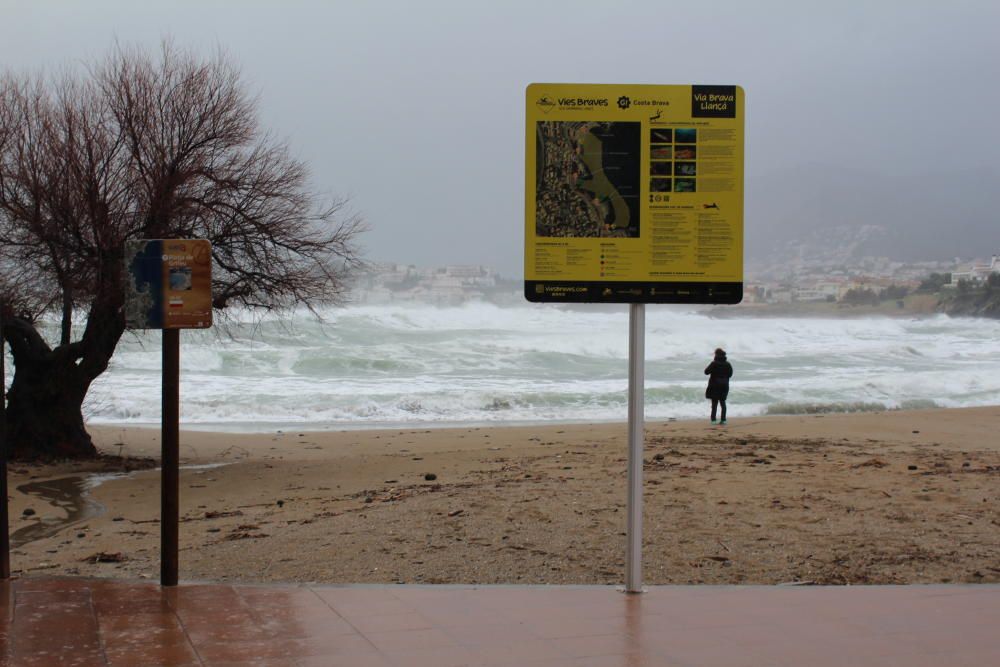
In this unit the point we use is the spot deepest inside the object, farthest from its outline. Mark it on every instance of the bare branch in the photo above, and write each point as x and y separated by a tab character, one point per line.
146	146
161	146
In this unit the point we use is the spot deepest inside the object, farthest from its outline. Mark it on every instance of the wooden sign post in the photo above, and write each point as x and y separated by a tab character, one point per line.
170	289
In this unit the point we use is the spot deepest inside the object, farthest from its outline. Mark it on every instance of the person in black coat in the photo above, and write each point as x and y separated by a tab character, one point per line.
718	372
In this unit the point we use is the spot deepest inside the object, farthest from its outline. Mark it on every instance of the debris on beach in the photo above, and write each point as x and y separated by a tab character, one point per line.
105	557
246	532
243	535
872	463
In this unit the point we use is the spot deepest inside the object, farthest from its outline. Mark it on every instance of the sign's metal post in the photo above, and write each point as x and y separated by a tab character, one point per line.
636	435
4	517
170	483
613	173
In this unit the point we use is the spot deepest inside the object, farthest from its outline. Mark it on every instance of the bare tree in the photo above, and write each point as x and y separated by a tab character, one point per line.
143	146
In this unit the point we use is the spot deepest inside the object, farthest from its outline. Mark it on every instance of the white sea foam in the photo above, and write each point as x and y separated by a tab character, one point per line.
367	366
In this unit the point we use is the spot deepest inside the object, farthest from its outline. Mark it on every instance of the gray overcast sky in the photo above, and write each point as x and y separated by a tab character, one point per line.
415	110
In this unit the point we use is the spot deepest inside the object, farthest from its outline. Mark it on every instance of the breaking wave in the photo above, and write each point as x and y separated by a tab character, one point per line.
385	365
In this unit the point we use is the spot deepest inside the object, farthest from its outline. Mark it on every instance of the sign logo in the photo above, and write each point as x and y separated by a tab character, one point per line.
545	103
713	101
624	102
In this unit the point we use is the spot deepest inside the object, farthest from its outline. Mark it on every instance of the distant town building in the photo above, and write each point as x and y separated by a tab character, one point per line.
797	280
977	273
443	286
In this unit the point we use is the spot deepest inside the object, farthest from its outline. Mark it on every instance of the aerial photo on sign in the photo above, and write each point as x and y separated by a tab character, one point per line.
588	179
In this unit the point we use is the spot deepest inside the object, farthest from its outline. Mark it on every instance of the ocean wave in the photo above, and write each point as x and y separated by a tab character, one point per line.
484	363
852	406
823	408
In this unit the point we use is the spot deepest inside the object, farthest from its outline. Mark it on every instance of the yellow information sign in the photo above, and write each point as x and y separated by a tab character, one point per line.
634	193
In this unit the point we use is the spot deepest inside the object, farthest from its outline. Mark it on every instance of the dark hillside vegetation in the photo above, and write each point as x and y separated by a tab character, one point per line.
973	300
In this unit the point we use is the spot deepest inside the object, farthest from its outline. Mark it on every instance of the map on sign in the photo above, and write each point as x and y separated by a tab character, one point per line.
588	179
633	193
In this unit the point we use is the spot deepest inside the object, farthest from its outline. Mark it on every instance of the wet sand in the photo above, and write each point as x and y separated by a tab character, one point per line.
874	498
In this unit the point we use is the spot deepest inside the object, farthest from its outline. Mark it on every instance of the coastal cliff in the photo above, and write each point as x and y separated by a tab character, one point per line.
978	301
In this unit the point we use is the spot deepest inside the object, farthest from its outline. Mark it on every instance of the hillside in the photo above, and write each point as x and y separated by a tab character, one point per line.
974	302
824	212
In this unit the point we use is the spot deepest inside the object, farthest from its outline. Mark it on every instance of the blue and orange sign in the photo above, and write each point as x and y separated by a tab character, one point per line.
169	284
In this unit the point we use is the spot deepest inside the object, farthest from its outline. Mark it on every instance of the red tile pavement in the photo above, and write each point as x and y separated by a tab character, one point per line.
109	623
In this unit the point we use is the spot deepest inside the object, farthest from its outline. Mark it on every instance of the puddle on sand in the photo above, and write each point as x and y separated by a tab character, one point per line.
72	495
68	494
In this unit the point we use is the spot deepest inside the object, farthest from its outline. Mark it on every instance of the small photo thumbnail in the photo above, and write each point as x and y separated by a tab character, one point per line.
661	152
661	136
686	152
686	135
660	168
684	185
180	279
659	185
685	168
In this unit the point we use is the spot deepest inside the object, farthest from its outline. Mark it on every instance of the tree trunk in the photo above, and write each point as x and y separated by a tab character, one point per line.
67	317
44	414
44	405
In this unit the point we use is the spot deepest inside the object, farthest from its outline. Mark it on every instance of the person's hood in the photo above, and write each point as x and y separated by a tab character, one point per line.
720	357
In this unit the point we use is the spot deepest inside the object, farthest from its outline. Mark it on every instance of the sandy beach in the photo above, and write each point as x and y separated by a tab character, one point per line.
872	498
